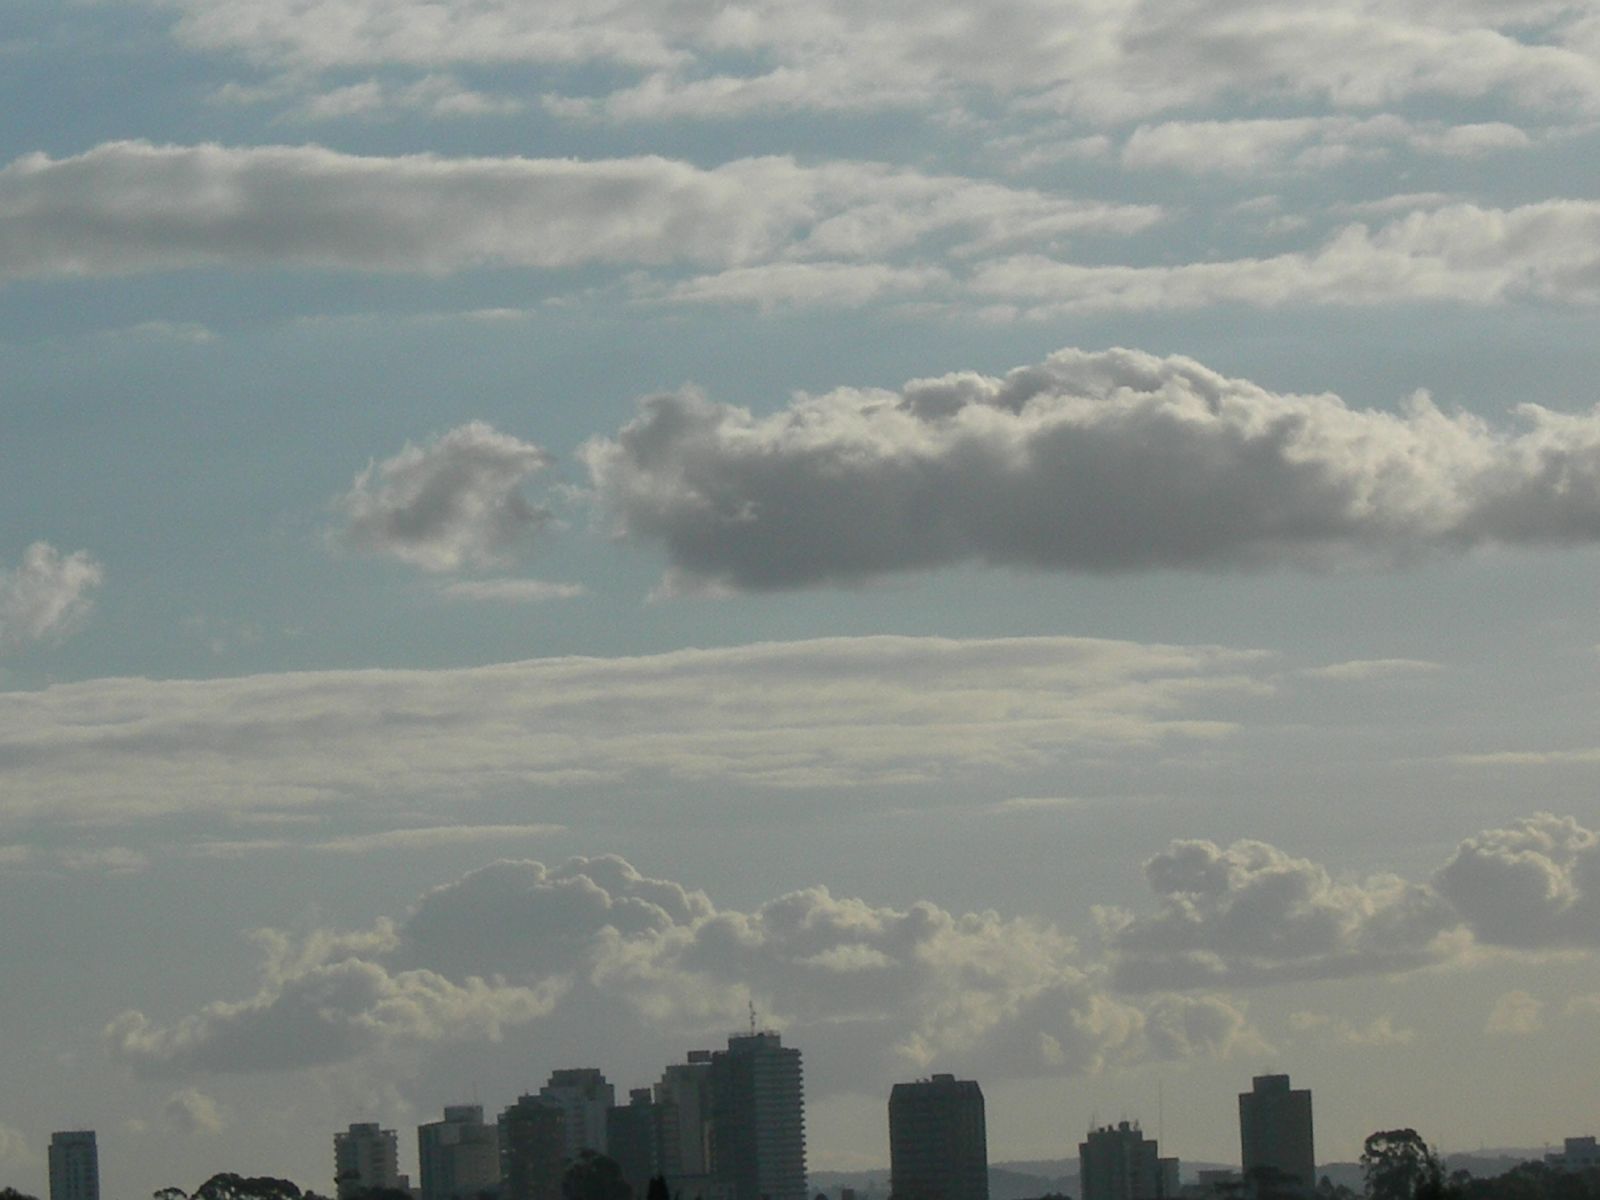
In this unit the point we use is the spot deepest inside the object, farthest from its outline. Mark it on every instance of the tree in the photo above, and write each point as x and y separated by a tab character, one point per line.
594	1176
11	1193
658	1189
1398	1165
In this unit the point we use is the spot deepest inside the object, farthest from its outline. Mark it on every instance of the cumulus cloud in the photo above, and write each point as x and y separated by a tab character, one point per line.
1380	1031
1251	914
190	1111
869	991
452	503
1533	884
1515	1014
835	713
1458	253
125	207
46	596
1109	461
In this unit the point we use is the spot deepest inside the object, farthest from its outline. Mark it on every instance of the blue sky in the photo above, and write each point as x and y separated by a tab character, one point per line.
1052	541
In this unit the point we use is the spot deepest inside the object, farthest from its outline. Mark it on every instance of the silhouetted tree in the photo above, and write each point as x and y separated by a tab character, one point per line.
658	1189
1398	1165
11	1193
594	1176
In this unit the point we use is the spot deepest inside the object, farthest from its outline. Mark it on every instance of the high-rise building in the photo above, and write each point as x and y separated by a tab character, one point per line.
684	1098
938	1144
533	1149
1117	1162
74	1165
458	1157
584	1096
635	1139
365	1157
758	1119
1275	1143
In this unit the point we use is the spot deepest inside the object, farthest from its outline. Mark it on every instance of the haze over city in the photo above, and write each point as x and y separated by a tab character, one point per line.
1048	541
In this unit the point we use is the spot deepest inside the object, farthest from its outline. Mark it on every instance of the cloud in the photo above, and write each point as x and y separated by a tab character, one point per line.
1531	885
1110	461
452	503
510	591
1247	147
830	713
1364	670
1458	253
190	1111
1097	62
1380	1031
1251	914
1515	1014
867	991
46	596
126	207
14	1150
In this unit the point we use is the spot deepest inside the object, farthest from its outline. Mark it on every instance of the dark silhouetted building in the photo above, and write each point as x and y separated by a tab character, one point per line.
365	1157
74	1165
1275	1143
584	1096
758	1119
1117	1162
938	1144
459	1157
636	1137
533	1149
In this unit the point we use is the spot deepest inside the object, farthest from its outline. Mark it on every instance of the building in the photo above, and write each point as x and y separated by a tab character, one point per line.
758	1119
635	1139
533	1149
684	1100
1275	1144
583	1094
1117	1162
74	1165
458	1158
1577	1154
364	1158
938	1143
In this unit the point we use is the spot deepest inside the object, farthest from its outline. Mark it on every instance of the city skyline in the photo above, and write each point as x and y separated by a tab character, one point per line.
1048	541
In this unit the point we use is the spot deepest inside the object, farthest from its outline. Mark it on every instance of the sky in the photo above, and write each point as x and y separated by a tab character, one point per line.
1051	540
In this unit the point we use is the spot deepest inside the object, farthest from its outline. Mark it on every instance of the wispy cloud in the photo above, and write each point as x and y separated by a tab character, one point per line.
46	596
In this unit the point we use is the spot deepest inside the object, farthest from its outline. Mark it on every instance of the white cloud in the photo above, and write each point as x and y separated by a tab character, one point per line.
190	1111
1533	884
867	991
1515	1014
1251	915
1109	461
125	207
830	713
1380	1031
452	503
1363	670
510	591
14	1150
1459	253
1101	62
46	596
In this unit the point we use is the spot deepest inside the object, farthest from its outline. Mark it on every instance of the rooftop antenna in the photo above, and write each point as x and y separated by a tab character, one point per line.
752	1018
1161	1115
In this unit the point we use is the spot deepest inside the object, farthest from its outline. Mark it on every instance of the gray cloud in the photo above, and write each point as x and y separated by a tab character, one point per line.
190	1111
455	502
592	946
125	207
1108	461
1530	885
1251	914
46	595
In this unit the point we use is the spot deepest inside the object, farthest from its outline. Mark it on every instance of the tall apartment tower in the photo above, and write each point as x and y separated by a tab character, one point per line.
583	1094
1117	1162
758	1119
365	1157
683	1101
533	1149
635	1141
938	1143
458	1157
74	1165
1275	1133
